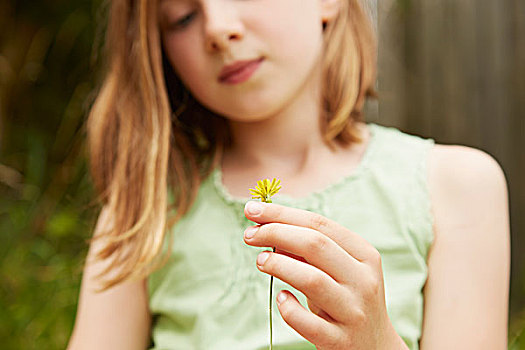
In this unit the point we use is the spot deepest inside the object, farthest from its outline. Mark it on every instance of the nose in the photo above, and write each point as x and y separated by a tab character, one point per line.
223	26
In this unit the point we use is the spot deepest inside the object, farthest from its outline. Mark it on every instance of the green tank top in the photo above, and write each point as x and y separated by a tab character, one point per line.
210	295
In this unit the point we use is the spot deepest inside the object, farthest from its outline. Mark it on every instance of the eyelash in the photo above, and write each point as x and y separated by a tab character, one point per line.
183	22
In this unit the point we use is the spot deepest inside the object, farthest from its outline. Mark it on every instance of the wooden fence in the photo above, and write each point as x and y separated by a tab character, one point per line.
454	70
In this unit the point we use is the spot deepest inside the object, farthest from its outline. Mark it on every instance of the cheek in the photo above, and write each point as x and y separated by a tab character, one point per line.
185	58
295	33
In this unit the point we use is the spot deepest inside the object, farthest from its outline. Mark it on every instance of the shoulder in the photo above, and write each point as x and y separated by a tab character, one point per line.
460	175
468	202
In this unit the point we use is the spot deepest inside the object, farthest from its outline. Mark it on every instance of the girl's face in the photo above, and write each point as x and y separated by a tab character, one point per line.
281	40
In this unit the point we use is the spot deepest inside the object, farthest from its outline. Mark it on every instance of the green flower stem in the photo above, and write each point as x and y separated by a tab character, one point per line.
271	288
268	200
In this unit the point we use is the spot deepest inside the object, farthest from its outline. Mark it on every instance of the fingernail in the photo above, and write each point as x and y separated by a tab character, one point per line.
250	232
254	208
281	297
261	259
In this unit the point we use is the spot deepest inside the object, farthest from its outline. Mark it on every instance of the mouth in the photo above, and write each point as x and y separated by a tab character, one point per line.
239	71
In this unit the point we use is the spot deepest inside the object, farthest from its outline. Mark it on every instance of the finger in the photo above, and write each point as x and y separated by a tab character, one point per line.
313	328
316	249
284	252
351	242
316	285
319	312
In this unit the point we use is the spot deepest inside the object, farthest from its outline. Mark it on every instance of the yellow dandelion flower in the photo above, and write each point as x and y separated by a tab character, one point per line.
265	189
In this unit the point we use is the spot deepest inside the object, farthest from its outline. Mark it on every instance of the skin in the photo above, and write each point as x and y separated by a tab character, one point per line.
466	295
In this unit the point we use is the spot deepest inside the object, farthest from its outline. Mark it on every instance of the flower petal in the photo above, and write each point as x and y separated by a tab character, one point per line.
252	191
274	191
266	184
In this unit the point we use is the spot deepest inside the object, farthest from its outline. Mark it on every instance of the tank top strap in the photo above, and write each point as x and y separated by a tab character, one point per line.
400	160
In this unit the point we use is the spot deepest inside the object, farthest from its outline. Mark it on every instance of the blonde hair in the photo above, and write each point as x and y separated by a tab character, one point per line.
146	133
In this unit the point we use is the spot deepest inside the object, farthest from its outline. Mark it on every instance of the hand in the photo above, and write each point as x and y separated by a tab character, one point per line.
337	270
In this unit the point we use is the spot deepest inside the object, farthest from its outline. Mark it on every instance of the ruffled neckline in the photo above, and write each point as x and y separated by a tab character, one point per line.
311	197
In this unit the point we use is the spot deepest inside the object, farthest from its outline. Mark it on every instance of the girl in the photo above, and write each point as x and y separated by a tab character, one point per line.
384	240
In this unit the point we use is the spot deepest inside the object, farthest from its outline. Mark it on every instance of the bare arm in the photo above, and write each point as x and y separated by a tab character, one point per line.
114	319
466	295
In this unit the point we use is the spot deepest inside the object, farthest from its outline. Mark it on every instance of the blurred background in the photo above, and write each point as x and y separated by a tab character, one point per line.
450	70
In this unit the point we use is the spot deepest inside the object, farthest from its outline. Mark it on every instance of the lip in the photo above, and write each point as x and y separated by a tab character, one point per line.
239	71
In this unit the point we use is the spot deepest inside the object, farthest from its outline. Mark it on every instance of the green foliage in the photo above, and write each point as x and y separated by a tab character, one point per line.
517	332
518	342
46	63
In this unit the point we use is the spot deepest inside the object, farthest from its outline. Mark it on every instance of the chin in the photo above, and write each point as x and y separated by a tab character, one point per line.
246	109
246	116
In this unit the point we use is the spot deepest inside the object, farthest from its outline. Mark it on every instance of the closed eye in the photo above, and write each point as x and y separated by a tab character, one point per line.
183	22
